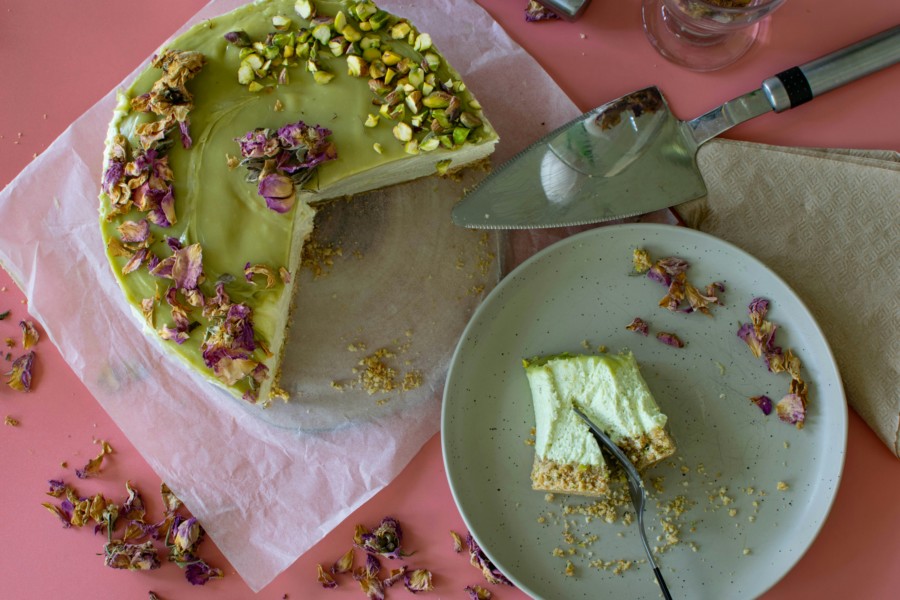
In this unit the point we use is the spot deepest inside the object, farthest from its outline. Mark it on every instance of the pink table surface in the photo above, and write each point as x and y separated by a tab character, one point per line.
57	58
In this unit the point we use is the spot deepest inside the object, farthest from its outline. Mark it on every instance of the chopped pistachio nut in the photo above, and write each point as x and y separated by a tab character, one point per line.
378	148
11	421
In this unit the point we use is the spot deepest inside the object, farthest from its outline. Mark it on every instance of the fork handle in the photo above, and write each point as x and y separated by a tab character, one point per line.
662	584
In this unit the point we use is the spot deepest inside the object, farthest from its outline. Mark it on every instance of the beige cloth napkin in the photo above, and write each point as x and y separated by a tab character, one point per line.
828	223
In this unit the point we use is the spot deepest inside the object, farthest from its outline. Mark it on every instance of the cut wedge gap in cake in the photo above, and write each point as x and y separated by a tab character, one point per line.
611	391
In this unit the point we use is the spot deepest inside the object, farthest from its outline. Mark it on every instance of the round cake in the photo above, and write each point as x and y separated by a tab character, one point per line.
219	151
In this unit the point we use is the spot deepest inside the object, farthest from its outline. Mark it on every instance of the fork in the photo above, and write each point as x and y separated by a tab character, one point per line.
635	489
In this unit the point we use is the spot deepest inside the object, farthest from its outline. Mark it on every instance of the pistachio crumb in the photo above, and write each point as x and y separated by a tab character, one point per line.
746	551
64	465
782	486
278	105
11	421
231	161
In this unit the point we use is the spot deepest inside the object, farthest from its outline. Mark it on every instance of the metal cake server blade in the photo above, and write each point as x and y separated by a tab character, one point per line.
632	156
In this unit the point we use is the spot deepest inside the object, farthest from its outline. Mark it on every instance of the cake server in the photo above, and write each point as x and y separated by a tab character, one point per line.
633	156
635	490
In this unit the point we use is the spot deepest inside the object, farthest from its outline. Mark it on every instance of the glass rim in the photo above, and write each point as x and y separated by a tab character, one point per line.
737	9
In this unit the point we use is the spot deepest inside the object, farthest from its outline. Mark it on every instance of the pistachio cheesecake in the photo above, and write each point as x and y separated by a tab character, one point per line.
610	390
218	152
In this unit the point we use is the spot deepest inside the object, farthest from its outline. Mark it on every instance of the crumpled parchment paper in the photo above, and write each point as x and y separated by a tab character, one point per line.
241	471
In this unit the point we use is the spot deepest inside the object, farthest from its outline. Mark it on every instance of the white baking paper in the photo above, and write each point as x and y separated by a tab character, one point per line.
266	486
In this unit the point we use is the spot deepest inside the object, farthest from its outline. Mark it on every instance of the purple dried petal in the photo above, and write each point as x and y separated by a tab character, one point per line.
764	403
257	144
134	231
238	38
278	190
395	576
670	339
188	267
19	377
323	577
164	268
535	11
673	265
113	175
133	557
639	325
419	580
384	540
759	307
476	592
791	410
57	487
656	273
479	560
136	260
199	573
747	333
186	140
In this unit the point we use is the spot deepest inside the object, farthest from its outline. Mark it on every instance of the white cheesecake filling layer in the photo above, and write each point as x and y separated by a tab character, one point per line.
608	388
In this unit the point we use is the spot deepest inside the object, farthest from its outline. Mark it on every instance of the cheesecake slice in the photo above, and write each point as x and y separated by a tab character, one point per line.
610	390
219	152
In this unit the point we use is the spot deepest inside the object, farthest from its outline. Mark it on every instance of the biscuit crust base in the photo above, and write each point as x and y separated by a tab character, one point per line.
590	480
559	478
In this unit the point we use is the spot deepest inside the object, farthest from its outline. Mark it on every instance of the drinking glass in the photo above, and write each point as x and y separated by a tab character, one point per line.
704	35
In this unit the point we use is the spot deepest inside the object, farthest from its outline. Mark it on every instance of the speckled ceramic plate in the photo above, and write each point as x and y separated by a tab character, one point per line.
755	490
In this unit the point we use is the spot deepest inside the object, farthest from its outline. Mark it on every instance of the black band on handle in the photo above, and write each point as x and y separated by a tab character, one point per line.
796	85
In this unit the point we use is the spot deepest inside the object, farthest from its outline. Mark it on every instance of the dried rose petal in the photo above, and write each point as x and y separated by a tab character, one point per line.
476	592
344	564
199	573
187	269
639	325
93	465
698	301
19	378
672	300
479	560
57	488
325	578
170	500
265	270
187	534
60	513
134	231
373	588
135	262
419	580
791	409
395	576
278	191
384	540
670	339
184	130
764	403
133	507
30	335
457	542
133	557
258	144
535	11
